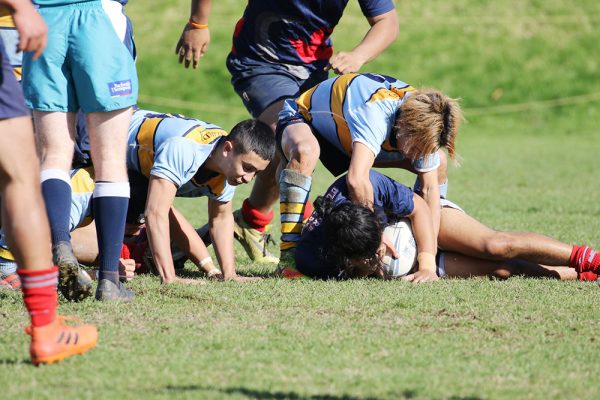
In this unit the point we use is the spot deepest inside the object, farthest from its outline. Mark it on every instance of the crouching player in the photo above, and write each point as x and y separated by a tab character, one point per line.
23	207
343	240
170	155
352	123
81	218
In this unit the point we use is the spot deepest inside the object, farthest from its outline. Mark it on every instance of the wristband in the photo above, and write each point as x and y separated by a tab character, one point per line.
426	261
197	26
205	261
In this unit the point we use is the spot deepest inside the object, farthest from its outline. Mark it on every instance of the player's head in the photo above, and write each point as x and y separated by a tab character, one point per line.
353	235
426	121
248	149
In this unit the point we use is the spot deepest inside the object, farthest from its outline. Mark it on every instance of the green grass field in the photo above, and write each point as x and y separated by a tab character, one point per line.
528	76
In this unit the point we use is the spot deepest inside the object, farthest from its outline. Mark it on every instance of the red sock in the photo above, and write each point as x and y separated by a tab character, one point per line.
308	210
254	218
39	294
587	276
584	258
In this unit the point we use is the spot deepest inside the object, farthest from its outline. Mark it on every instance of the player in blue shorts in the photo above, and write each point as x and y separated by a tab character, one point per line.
341	240
177	156
23	207
280	49
352	123
86	66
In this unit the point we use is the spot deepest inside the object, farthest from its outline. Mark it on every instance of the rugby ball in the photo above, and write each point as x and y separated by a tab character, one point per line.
401	236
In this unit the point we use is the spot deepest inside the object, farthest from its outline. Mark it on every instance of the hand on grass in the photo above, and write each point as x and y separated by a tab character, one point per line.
126	268
421	276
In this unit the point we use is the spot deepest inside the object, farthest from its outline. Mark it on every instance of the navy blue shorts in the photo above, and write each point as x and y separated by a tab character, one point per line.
12	103
260	84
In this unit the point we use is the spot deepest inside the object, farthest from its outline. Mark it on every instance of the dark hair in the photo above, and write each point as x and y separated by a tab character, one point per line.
352	231
253	135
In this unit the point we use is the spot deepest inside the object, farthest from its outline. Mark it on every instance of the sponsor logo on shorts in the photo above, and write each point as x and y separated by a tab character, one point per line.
120	88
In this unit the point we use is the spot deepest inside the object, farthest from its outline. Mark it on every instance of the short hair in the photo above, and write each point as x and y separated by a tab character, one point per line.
252	135
426	121
353	232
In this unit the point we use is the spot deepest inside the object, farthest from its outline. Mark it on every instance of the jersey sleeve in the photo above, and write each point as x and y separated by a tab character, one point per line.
226	195
427	163
373	8
391	196
370	124
178	159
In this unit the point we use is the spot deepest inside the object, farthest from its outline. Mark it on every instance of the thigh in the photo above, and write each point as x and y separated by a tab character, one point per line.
461	233
17	151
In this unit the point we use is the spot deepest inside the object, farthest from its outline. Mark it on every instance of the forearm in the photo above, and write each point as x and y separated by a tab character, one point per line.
221	230
422	226
200	11
157	228
431	195
360	190
186	238
381	34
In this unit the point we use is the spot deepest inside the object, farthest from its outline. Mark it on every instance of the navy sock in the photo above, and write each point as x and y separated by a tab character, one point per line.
56	190
110	209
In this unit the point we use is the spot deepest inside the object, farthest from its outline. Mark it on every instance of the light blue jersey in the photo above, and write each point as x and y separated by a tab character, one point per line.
175	148
357	108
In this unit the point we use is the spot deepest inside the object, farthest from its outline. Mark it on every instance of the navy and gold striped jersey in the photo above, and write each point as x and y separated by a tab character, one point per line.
82	188
356	108
10	37
175	148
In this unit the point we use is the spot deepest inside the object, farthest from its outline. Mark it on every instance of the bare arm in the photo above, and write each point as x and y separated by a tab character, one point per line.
384	30
220	220
359	184
431	194
186	239
193	42
161	194
422	225
33	32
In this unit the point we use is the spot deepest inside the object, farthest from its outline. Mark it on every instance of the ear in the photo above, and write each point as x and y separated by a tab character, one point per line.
227	147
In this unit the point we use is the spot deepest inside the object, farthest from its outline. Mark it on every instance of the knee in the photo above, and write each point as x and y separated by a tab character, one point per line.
305	155
499	246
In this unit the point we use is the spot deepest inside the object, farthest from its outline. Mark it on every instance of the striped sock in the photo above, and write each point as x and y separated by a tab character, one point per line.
294	189
584	258
39	294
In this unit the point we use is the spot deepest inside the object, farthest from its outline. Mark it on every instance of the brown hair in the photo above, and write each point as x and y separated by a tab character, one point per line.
426	121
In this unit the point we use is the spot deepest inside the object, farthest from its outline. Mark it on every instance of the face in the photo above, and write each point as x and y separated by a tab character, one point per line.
242	168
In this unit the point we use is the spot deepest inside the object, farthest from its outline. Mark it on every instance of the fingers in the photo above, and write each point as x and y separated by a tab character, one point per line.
179	46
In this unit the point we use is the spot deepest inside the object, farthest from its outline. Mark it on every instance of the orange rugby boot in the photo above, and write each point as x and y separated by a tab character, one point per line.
57	341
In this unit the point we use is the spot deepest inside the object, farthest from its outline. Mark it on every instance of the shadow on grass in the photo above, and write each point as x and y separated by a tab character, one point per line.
15	361
264	394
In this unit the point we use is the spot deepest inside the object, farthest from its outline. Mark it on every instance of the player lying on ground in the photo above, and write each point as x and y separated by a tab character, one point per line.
281	49
352	123
170	155
343	240
22	205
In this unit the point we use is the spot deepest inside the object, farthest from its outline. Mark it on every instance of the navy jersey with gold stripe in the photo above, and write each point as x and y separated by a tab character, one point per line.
174	147
356	108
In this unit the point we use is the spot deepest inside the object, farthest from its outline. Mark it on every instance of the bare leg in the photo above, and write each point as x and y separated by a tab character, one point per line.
463	234
462	266
108	142
85	244
265	191
55	133
22	203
